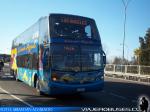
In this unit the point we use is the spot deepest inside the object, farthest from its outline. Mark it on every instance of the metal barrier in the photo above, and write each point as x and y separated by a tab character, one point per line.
129	72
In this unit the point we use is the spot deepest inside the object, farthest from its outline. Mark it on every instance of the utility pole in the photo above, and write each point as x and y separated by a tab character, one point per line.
124	34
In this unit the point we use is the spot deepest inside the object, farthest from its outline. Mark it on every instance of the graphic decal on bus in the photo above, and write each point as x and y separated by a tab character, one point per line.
13	59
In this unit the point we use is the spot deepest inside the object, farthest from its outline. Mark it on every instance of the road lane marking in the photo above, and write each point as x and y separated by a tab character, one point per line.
15	97
114	94
119	96
122	97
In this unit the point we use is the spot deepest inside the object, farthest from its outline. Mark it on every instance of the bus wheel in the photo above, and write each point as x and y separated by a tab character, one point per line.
38	87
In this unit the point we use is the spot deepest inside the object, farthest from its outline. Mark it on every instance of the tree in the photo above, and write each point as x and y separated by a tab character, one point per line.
118	60
137	53
143	52
133	61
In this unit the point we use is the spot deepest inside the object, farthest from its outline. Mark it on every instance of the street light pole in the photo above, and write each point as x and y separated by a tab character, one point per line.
124	34
125	45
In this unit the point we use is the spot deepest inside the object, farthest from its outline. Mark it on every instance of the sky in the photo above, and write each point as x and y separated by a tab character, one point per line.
18	15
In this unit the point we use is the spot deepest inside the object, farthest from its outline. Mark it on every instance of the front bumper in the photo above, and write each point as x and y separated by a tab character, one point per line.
59	88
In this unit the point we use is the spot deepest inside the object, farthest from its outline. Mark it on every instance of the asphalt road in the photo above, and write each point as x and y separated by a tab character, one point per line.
116	93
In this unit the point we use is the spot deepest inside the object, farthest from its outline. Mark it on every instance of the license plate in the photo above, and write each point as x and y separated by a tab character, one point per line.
80	89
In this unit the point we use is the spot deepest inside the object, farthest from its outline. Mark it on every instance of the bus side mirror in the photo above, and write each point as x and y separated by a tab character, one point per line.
104	59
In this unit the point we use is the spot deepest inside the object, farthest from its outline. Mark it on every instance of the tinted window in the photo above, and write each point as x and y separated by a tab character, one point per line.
75	58
73	27
29	61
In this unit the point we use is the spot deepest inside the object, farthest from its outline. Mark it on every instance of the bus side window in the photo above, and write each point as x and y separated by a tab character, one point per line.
46	59
88	31
34	61
18	61
28	61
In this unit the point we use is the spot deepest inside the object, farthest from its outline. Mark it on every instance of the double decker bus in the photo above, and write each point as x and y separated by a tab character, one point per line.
60	54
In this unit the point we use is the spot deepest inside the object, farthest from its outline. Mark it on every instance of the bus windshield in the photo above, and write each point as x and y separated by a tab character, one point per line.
72	58
90	58
73	27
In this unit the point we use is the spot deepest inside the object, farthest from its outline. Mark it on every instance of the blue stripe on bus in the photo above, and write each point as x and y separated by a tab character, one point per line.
73	41
53	40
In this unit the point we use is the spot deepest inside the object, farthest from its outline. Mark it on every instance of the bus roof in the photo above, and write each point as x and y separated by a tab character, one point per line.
61	14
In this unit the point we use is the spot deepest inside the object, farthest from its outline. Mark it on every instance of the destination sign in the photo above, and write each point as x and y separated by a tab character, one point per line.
69	48
74	21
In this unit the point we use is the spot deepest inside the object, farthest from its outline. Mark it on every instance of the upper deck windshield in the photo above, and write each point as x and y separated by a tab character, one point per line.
75	27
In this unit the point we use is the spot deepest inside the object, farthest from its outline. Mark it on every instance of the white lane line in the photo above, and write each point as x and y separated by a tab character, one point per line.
113	94
15	97
122	97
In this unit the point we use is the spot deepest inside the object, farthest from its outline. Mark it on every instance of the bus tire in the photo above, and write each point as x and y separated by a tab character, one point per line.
38	87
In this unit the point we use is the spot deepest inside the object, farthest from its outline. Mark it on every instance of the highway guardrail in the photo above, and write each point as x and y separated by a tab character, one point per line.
128	72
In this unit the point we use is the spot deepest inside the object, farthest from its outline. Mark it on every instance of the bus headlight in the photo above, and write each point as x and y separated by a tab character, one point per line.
54	77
